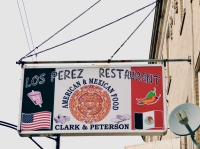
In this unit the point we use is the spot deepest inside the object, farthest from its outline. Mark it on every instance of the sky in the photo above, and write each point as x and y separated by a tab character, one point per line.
46	18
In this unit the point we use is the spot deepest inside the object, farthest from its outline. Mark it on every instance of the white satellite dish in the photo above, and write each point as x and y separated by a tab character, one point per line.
193	113
185	120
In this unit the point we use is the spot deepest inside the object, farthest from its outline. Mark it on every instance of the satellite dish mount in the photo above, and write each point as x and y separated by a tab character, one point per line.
179	116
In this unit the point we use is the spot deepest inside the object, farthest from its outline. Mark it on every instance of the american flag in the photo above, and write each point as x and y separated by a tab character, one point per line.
35	121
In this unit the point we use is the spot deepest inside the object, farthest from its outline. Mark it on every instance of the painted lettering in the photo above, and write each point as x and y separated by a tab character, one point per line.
35	80
108	126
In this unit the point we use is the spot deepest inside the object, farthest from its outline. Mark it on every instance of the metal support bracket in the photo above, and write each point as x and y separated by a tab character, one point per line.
192	135
57	139
164	61
104	61
12	126
57	142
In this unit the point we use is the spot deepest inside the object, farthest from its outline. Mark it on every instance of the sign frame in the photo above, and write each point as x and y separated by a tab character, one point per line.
100	133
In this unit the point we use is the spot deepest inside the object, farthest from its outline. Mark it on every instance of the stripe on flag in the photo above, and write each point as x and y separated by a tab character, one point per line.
148	120
35	121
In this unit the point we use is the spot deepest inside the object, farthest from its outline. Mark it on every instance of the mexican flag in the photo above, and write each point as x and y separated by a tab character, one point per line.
148	120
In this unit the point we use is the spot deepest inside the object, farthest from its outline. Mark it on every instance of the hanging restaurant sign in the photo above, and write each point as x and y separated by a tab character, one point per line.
92	100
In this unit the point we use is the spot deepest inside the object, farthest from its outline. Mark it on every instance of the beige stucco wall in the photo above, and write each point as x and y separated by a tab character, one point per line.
165	144
183	87
196	20
181	47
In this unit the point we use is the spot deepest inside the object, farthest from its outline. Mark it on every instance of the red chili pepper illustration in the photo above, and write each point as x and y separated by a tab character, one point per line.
150	98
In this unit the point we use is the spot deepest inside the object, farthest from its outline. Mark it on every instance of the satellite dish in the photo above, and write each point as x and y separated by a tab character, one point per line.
193	114
185	120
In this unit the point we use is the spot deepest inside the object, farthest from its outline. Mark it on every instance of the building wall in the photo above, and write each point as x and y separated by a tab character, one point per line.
196	20
166	144
177	36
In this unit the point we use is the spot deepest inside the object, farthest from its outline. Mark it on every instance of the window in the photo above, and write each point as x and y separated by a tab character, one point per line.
182	13
182	8
175	6
168	72
170	28
174	10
